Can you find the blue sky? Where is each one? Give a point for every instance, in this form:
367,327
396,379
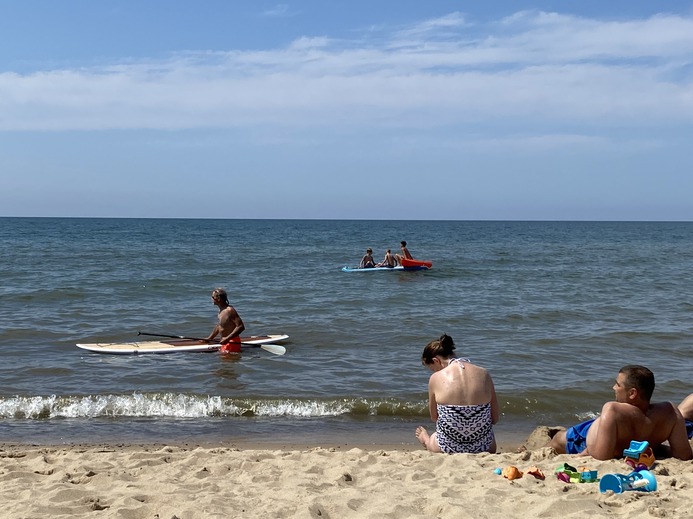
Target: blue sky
466,110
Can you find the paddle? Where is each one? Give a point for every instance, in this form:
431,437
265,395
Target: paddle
272,348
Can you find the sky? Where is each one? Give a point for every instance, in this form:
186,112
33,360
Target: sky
386,110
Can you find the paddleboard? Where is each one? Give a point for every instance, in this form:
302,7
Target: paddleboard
173,345
371,269
411,265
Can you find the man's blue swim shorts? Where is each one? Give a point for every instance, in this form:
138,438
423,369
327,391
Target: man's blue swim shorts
576,437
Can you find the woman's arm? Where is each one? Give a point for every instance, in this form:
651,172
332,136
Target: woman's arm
432,404
495,408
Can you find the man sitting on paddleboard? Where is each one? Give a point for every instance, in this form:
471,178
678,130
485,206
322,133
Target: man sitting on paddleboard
367,261
230,324
388,261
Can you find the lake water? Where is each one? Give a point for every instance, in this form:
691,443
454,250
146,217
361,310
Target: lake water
552,309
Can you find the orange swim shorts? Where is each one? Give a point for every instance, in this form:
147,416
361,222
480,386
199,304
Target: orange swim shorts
233,346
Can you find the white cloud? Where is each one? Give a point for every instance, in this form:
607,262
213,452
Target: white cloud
543,68
305,43
278,11
434,28
563,38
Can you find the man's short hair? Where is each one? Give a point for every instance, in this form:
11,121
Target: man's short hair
641,378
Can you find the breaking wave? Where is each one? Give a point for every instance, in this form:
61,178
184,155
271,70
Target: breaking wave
170,405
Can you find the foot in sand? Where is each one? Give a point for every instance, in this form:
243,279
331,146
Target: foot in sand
422,435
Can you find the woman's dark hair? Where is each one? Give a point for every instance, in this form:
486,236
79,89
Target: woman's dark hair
443,347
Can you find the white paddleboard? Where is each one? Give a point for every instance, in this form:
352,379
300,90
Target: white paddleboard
173,345
371,269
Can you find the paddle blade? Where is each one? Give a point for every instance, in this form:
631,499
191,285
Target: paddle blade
274,348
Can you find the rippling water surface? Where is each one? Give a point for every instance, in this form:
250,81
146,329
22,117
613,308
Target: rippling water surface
552,309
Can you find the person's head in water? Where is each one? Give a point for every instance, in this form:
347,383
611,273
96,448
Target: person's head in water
443,348
219,294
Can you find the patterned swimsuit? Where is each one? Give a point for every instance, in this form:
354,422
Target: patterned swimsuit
464,428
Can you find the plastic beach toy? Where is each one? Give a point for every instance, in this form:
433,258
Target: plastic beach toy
587,475
639,455
536,472
511,473
617,483
569,474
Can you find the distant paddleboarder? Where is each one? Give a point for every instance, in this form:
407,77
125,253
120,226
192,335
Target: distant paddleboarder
230,324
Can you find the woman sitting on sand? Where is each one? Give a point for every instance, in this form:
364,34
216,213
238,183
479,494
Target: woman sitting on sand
462,402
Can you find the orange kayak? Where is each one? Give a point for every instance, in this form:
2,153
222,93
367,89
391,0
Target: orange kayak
412,263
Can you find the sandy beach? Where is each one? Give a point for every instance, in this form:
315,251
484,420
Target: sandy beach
200,481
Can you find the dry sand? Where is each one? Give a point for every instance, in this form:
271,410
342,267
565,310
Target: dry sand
189,481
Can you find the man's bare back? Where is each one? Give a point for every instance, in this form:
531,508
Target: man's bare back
630,417
619,423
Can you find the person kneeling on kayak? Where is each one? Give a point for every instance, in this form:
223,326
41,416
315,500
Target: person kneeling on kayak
230,325
405,252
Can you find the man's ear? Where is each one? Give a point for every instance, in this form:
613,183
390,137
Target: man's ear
633,393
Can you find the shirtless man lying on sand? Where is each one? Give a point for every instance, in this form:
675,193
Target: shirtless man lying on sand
630,417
